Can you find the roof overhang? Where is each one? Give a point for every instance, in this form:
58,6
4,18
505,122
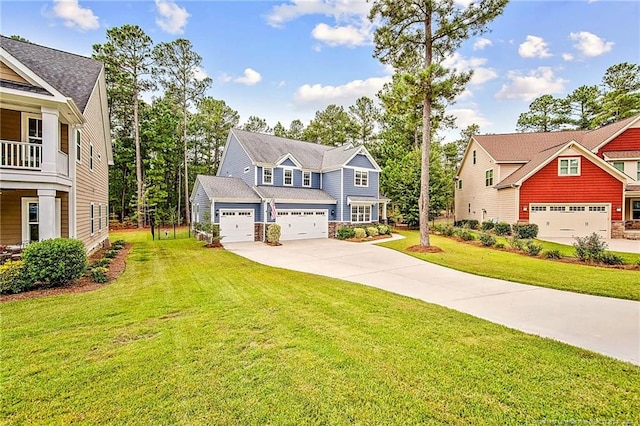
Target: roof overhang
366,200
298,201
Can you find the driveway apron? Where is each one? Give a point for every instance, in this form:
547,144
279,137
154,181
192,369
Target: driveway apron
600,324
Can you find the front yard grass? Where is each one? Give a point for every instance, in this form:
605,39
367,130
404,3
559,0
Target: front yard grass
199,336
623,284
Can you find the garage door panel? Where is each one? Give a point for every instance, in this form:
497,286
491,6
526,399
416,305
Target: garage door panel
570,220
302,224
236,225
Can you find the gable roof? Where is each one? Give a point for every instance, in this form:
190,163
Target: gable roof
218,187
72,75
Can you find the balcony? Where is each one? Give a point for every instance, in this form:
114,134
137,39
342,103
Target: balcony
20,155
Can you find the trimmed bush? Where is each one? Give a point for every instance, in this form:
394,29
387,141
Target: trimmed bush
99,275
552,254
609,258
487,240
119,243
448,231
488,225
436,227
500,245
590,248
525,230
57,261
359,233
467,223
273,233
516,243
532,248
105,261
384,230
466,235
345,233
111,254
13,277
372,231
502,228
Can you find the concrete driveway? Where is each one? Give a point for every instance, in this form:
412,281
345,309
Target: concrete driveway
617,244
605,325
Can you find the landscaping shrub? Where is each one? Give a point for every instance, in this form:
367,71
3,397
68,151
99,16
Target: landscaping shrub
466,235
499,245
437,228
609,258
345,233
487,240
273,233
502,228
516,243
525,230
117,245
105,261
488,225
467,223
384,230
359,233
372,231
99,275
533,248
448,231
590,248
552,254
13,277
57,261
111,254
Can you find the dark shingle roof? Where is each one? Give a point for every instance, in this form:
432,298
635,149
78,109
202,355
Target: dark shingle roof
23,86
218,187
72,75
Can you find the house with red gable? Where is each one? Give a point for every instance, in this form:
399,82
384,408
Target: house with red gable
569,183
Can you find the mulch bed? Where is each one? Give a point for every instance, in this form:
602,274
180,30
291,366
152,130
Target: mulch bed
81,285
362,240
424,249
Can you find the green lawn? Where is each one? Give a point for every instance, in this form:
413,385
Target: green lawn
198,336
524,269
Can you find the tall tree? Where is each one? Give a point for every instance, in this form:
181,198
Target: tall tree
127,56
296,129
419,35
621,93
256,124
546,114
331,126
364,114
212,123
177,64
584,104
279,130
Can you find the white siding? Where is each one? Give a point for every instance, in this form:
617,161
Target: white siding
474,193
507,205
504,170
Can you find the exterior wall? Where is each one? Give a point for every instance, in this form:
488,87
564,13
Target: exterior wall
92,186
64,138
547,187
64,214
475,196
201,205
361,161
236,161
10,122
257,209
631,169
297,178
331,184
11,215
507,205
504,170
629,140
617,229
288,163
7,73
303,206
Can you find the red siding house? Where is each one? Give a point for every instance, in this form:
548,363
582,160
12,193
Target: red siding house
569,183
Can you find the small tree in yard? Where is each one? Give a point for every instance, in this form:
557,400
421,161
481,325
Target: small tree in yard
590,248
273,234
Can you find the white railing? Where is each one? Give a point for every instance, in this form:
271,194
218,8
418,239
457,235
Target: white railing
63,164
20,155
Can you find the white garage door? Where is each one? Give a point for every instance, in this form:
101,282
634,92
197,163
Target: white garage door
236,225
571,220
303,224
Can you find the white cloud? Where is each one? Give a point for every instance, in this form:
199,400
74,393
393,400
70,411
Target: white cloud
480,74
567,57
199,74
468,116
318,94
337,9
481,43
466,94
224,78
534,47
249,78
171,17
590,44
347,35
74,15
528,87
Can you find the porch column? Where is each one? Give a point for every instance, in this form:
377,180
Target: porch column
50,139
47,213
384,212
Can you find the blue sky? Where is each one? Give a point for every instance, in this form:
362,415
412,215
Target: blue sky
283,60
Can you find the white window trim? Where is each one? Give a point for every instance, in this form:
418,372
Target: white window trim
613,163
364,206
92,227
263,181
310,179
100,217
486,177
25,216
355,172
78,153
284,171
91,156
25,126
568,159
459,185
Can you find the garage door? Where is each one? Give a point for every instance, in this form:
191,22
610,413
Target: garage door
302,224
236,225
571,220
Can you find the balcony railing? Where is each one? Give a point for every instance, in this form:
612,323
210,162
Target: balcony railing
20,155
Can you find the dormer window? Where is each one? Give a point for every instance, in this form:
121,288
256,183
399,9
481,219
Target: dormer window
569,166
267,176
288,177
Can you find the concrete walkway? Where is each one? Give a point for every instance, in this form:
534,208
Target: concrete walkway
605,325
613,244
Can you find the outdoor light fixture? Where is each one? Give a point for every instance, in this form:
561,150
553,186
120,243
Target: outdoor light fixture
333,212
618,208
217,211
524,208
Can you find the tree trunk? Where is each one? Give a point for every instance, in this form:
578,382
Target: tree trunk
426,139
187,212
136,136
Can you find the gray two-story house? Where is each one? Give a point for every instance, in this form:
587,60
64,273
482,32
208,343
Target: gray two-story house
310,190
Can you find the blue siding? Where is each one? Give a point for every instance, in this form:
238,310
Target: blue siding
288,163
201,204
235,161
362,161
291,206
331,185
278,177
370,191
315,180
257,208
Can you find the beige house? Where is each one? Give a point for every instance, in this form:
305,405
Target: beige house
55,147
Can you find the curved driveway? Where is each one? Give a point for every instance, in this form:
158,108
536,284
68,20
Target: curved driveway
605,325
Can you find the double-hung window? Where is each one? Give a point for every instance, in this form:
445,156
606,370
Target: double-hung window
306,179
360,213
78,146
488,178
91,157
619,165
361,178
267,176
569,167
93,226
287,176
